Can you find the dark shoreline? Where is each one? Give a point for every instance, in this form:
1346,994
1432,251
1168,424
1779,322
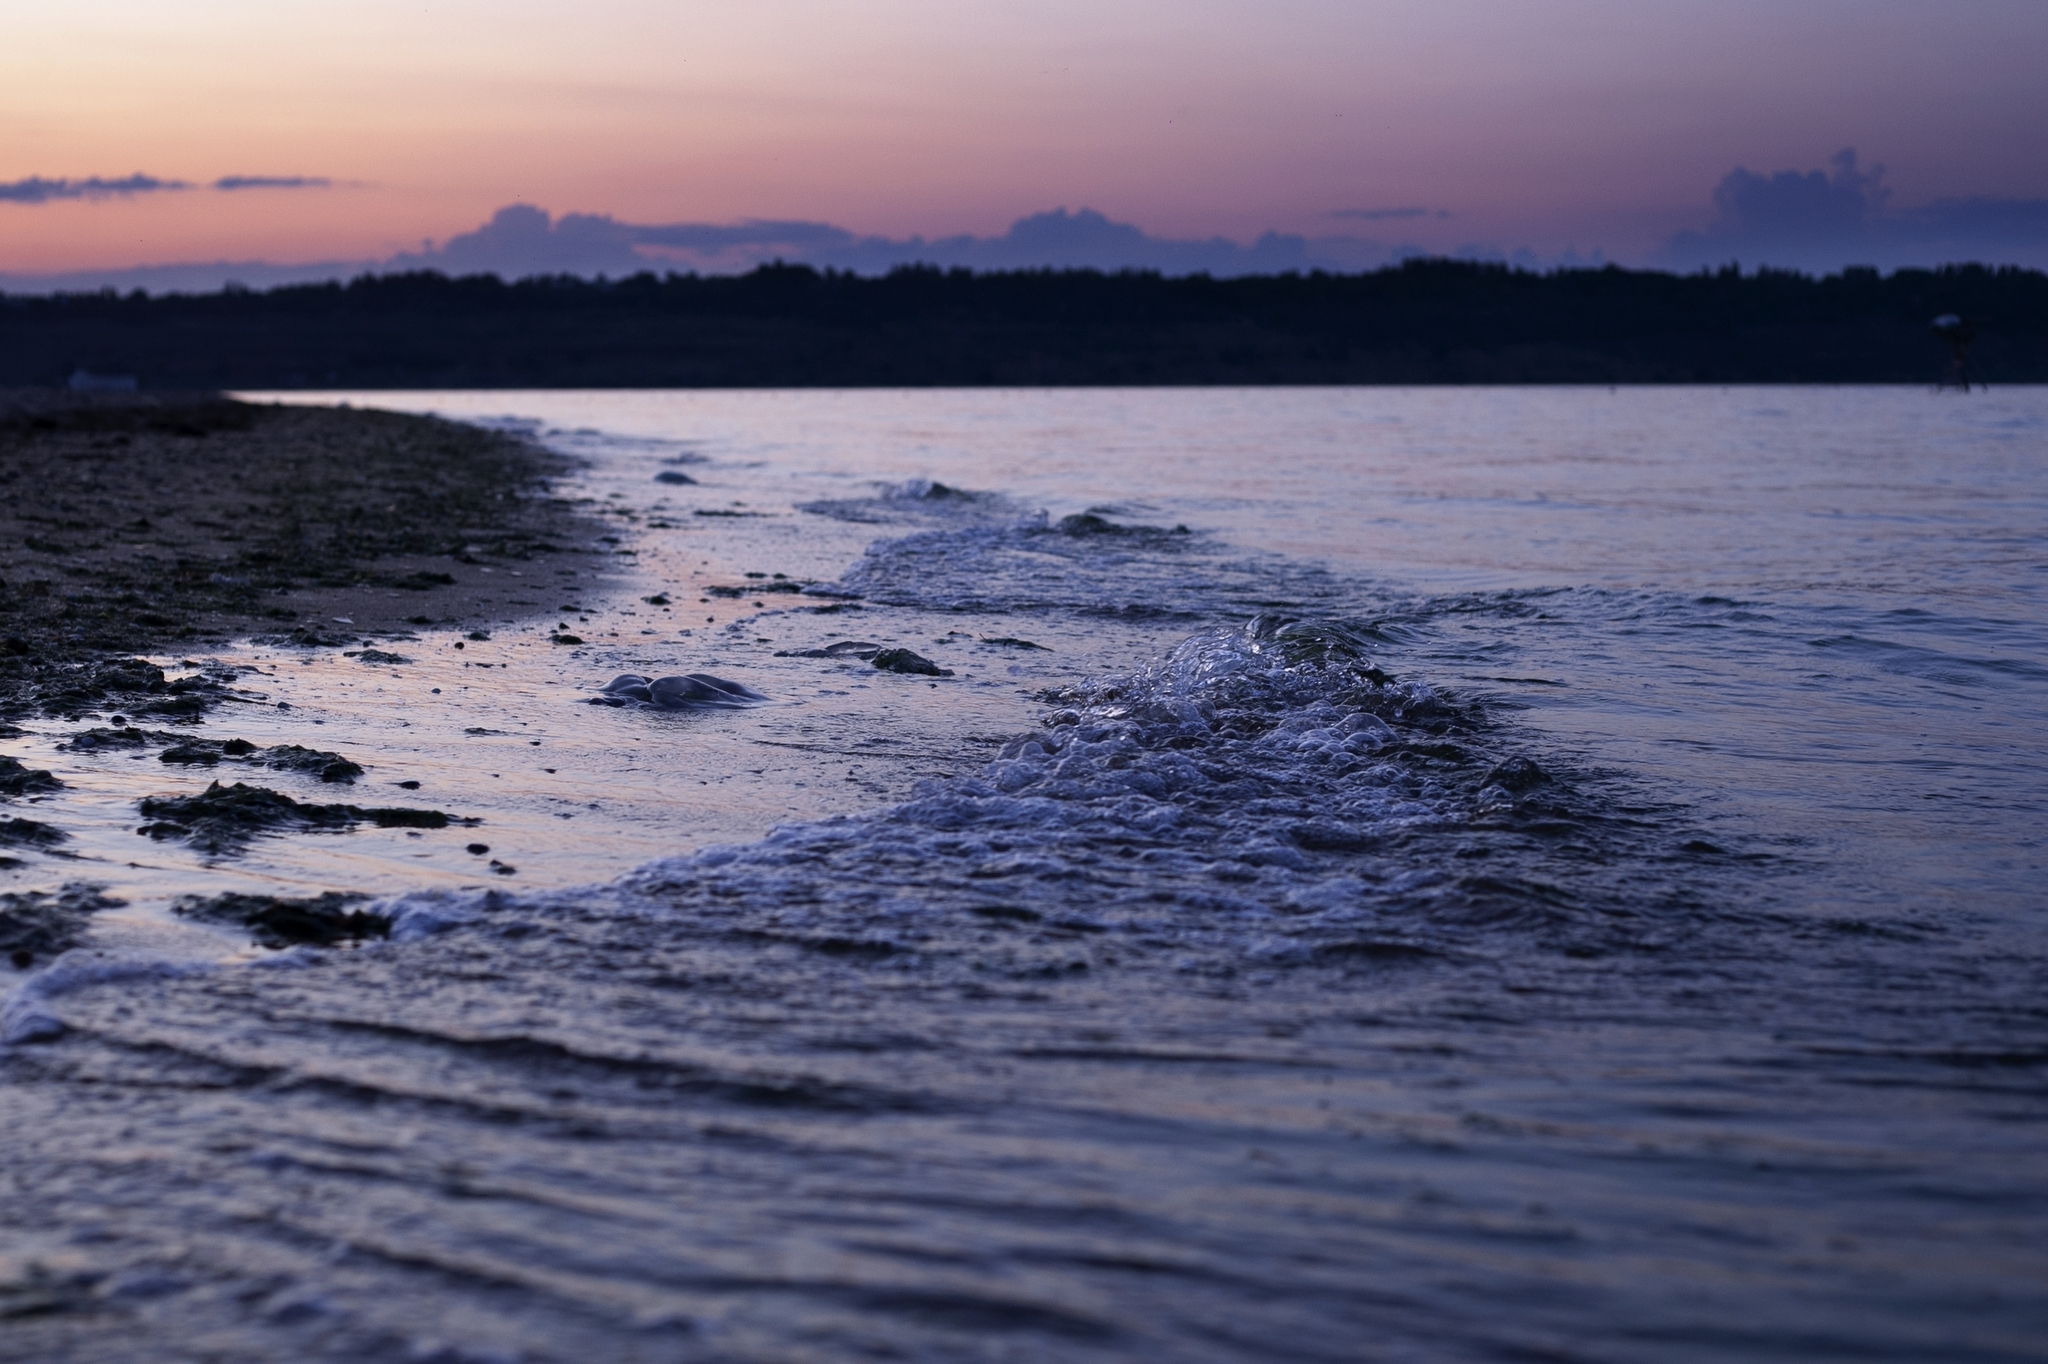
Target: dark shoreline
1425,322
152,523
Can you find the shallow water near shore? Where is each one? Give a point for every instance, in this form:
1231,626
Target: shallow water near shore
1392,874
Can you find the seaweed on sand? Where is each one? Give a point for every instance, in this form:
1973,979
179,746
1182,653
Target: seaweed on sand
276,921
221,819
130,685
329,767
35,924
28,833
16,780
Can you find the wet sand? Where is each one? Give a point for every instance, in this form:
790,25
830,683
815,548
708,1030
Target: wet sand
150,523
196,708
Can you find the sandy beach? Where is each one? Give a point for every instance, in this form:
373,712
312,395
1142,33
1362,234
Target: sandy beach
136,523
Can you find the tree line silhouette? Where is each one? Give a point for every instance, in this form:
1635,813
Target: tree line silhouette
1420,322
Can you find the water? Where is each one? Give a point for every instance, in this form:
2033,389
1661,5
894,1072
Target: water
1604,923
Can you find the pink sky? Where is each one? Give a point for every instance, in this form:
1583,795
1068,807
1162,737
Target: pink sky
1583,123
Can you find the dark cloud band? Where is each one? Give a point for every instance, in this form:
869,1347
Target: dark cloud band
272,182
36,189
1381,215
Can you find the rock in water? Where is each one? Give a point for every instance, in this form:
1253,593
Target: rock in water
1516,775
690,691
626,687
904,661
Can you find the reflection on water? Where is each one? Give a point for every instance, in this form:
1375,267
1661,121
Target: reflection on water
1448,875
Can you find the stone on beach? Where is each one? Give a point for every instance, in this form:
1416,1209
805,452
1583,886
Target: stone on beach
690,691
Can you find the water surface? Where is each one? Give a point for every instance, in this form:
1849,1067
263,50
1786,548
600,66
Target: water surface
1467,874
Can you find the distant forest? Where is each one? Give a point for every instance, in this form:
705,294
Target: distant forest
1423,322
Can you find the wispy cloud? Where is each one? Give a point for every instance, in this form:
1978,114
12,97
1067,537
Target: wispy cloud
37,189
1380,215
272,182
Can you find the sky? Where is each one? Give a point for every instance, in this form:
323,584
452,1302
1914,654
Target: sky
1199,134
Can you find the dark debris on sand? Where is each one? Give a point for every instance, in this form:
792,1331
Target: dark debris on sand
278,922
37,924
16,780
888,660
329,767
102,738
132,686
27,833
221,819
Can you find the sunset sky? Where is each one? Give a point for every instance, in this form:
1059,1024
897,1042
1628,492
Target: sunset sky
1582,124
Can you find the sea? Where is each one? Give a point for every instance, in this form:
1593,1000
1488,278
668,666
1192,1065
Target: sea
1351,874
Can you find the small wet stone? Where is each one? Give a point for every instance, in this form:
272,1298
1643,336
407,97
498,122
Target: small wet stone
377,656
1010,642
277,922
674,476
904,661
691,691
1516,774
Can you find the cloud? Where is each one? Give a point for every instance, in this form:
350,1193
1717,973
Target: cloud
1375,215
754,232
1811,220
232,182
36,190
522,240
1821,221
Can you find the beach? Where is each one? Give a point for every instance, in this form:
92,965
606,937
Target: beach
141,522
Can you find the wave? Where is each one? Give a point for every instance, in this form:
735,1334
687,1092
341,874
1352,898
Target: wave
1265,793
